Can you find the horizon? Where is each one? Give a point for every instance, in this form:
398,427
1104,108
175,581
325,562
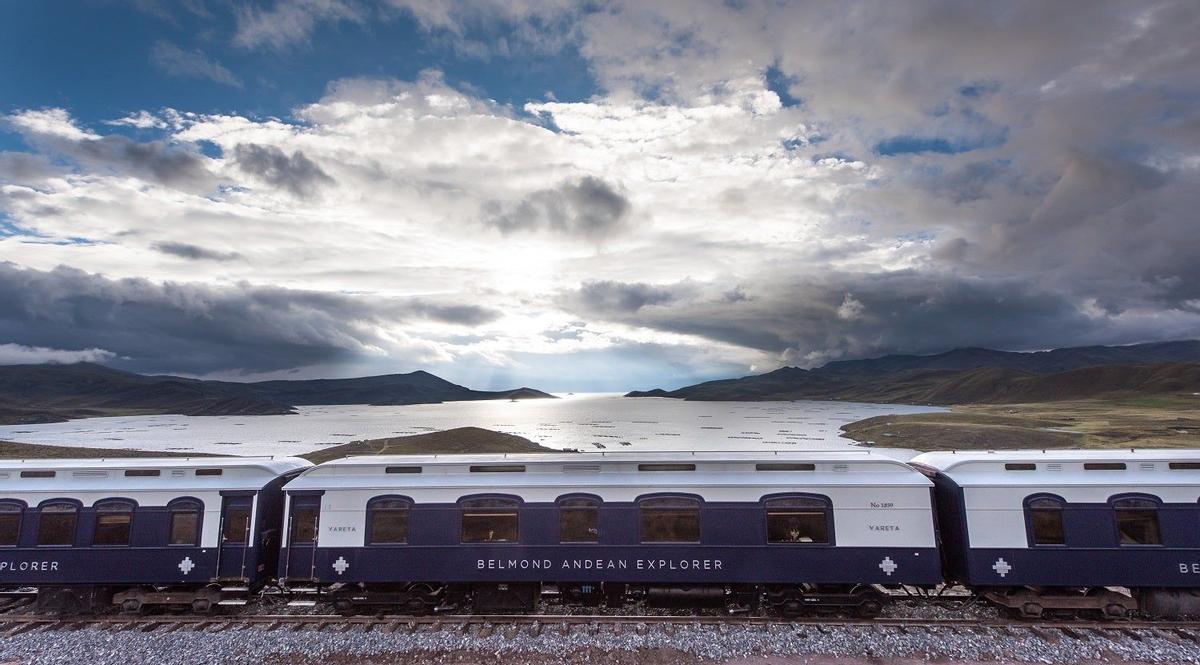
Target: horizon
590,197
569,390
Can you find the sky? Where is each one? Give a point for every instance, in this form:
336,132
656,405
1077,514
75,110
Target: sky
592,196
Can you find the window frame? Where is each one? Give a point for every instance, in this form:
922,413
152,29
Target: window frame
1136,496
226,504
462,507
99,507
826,508
172,510
695,499
596,504
21,507
1027,509
74,503
369,528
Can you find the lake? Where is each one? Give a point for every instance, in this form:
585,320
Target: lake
588,422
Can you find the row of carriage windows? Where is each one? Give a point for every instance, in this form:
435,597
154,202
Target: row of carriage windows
662,520
1134,518
57,522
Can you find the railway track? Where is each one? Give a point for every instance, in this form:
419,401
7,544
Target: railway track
1178,632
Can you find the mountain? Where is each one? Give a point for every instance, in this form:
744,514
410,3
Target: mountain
53,393
967,376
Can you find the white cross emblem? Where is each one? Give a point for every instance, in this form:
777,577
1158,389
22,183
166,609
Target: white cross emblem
186,565
1001,567
888,566
340,565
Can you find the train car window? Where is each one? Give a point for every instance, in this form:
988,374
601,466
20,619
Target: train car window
798,520
237,523
56,523
387,521
490,520
184,526
1137,522
114,520
579,520
670,520
1046,521
304,523
10,523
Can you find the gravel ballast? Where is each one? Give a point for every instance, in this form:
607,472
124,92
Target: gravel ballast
502,644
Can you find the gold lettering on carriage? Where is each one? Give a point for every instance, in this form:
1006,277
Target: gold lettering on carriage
599,564
22,566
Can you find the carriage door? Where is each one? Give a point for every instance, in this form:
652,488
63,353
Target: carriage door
235,536
302,536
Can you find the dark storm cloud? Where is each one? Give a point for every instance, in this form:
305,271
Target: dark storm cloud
620,298
296,173
194,252
808,321
588,208
23,167
195,328
157,161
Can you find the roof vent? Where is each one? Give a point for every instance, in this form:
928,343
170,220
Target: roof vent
585,468
666,467
497,468
404,469
209,472
37,474
1183,466
1147,466
784,466
1020,466
1054,466
1103,466
89,474
142,473
841,468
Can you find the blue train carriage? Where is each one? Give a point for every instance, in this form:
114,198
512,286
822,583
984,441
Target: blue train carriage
492,533
1096,532
141,531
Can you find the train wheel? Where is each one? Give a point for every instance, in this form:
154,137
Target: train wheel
869,609
132,606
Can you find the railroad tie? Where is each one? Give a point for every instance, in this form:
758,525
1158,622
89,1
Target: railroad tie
1162,634
273,625
1072,633
346,627
151,625
1045,635
1131,634
22,628
1191,637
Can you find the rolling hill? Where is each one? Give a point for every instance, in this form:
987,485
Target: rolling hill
53,393
966,376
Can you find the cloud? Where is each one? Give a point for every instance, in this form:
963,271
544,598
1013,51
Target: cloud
288,22
190,64
54,131
16,354
587,208
616,297
295,173
200,329
194,252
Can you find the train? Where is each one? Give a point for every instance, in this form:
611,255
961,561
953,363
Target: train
1101,532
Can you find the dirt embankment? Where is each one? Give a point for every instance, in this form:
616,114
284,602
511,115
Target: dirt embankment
1168,421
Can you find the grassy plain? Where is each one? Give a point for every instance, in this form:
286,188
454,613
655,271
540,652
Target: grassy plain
1150,421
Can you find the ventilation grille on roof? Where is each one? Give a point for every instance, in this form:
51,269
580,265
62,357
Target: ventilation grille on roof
784,466
1147,466
1020,466
1103,466
498,468
37,474
142,473
89,474
403,469
841,468
209,472
666,467
1184,466
586,468
1054,466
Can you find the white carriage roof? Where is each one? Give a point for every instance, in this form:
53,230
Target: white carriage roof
651,470
138,473
1152,466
